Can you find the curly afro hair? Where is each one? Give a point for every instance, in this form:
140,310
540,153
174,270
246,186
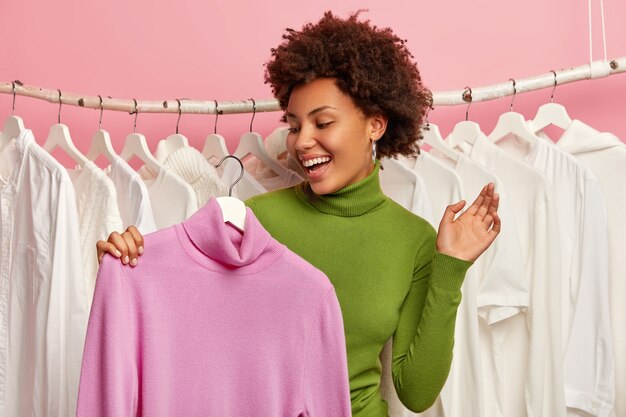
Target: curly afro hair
370,64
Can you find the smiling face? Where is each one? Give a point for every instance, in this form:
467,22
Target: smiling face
330,136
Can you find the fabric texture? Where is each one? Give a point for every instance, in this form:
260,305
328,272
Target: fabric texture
497,292
532,352
189,164
389,279
213,322
605,155
172,199
43,296
133,198
98,215
586,343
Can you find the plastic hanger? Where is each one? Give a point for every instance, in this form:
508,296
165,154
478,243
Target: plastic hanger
13,125
433,138
174,141
101,142
233,209
135,145
551,114
251,143
214,144
59,136
465,131
214,147
512,123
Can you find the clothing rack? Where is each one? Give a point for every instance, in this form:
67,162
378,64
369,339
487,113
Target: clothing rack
595,69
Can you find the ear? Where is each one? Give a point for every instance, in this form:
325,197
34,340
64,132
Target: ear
377,125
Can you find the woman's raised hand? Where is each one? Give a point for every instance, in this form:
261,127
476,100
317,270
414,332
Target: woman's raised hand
127,246
470,234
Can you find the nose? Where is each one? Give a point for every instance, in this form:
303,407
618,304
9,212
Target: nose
304,139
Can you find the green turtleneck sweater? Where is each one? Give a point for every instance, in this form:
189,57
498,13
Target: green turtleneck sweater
389,280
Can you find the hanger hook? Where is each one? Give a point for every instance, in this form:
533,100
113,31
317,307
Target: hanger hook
13,108
253,113
60,104
553,88
136,111
217,113
179,113
101,111
514,93
230,190
430,107
467,96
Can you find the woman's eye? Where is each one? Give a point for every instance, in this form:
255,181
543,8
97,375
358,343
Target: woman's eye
323,125
293,130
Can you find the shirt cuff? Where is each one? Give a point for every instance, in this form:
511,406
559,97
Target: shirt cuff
448,272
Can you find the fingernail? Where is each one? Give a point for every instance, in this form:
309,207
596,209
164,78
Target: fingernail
125,259
118,253
133,262
140,250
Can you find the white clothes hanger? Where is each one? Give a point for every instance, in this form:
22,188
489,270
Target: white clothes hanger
12,127
433,138
466,130
101,145
214,144
512,123
551,114
101,142
214,147
175,141
233,209
251,143
135,145
59,136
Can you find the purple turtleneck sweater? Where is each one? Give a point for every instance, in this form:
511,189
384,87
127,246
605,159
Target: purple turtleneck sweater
213,322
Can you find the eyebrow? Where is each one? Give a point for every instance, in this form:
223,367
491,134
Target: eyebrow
312,112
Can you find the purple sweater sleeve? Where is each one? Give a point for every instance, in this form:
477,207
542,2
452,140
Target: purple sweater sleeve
108,382
325,388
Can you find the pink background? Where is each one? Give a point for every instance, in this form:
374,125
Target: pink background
216,50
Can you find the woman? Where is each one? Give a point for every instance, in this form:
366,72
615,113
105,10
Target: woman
351,94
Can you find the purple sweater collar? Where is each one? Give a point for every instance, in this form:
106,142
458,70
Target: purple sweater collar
222,242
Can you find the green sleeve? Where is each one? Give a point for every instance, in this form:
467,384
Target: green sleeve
424,338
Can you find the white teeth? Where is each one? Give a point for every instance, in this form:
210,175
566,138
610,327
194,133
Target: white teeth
310,162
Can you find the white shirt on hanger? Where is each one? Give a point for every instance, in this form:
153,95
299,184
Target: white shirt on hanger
172,199
532,351
43,296
133,199
585,319
605,155
98,215
501,291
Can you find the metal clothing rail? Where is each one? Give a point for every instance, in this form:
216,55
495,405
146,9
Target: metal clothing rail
595,69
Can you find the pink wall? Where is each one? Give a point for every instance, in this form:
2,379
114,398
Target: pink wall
207,50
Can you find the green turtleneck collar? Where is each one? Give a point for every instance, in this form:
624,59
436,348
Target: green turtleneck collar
354,200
